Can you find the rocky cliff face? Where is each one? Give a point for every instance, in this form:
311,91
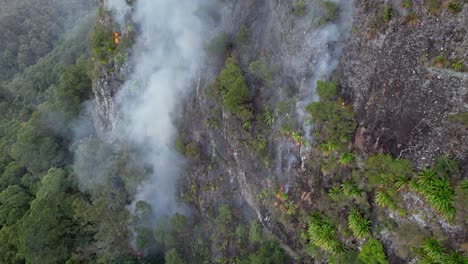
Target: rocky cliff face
401,94
402,97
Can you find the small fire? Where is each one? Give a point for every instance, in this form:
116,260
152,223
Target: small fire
116,38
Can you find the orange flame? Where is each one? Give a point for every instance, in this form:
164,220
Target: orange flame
116,38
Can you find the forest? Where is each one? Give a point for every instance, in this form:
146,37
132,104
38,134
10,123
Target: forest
67,195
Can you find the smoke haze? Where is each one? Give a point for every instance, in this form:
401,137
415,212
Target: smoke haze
327,44
167,56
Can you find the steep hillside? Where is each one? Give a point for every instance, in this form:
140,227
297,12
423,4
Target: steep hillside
323,116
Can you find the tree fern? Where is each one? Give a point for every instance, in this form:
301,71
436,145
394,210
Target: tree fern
437,191
323,234
383,199
358,224
268,117
347,158
334,193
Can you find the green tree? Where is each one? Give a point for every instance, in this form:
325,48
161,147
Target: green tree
323,234
372,252
234,89
14,203
35,149
358,224
174,257
48,231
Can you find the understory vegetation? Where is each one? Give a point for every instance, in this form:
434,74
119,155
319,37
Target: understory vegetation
66,196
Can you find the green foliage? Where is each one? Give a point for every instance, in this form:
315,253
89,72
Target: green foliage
47,231
458,66
255,232
331,10
269,253
437,191
384,199
323,234
455,6
461,118
440,60
372,252
243,35
434,6
192,151
407,4
347,158
247,125
31,29
327,90
11,175
174,257
299,8
14,203
35,149
347,257
268,117
387,14
261,71
349,188
218,44
234,90
433,252
334,193
180,146
102,42
383,170
358,224
336,119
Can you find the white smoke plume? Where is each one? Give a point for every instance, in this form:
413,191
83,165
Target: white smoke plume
167,56
327,42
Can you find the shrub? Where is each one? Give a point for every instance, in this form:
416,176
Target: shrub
372,252
454,6
406,4
268,117
359,225
387,13
334,193
440,61
234,89
299,8
260,70
347,158
458,66
433,252
243,35
331,9
174,257
434,6
461,118
384,199
102,42
323,234
247,125
437,191
349,188
218,44
336,118
383,170
192,151
326,90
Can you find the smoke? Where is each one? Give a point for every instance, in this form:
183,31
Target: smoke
166,59
119,8
327,42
